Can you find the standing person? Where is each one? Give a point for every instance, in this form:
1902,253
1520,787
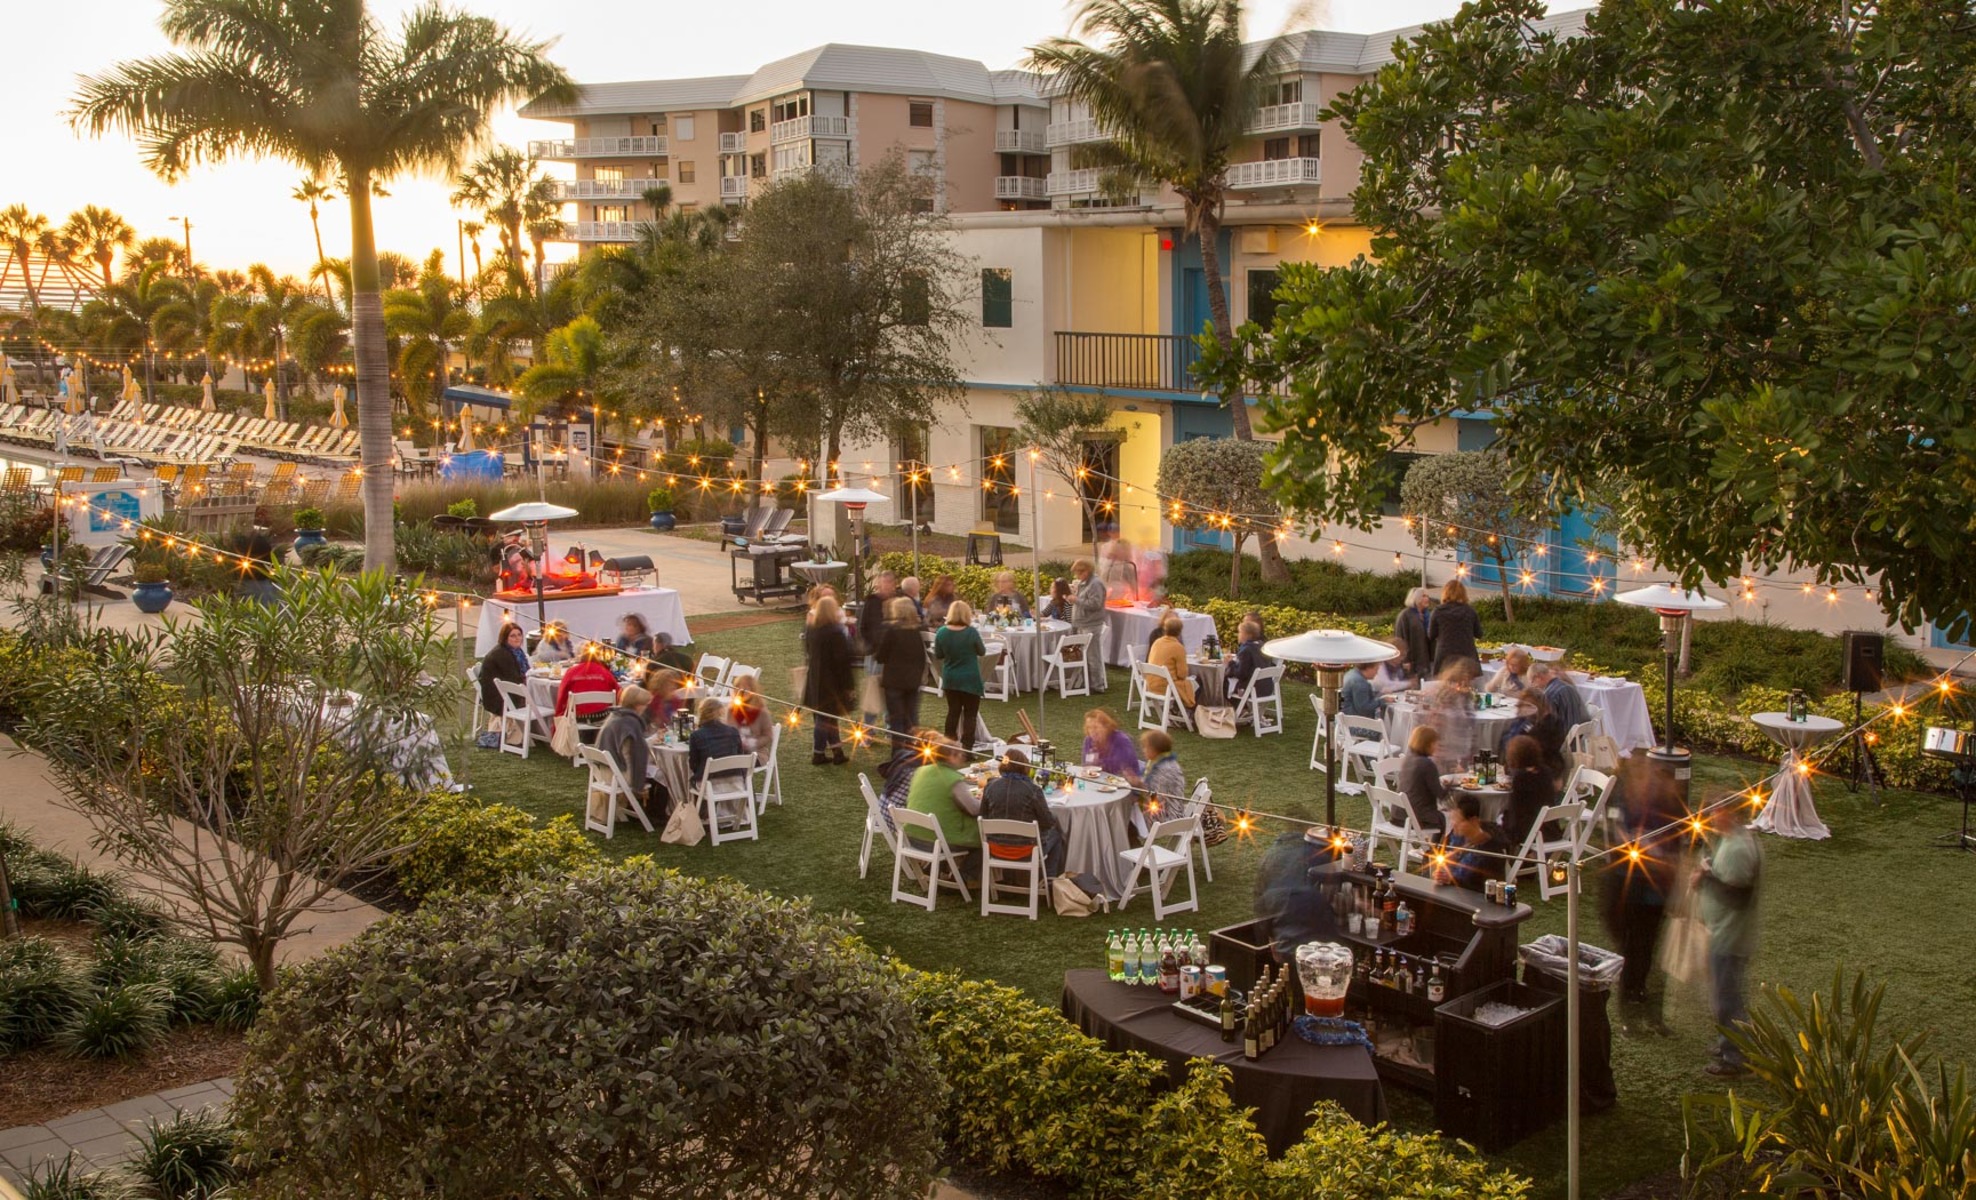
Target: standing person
1088,616
1730,877
622,738
1249,659
507,662
909,588
1013,796
1448,710
829,691
1006,595
748,712
940,791
1108,748
958,647
873,614
1420,779
939,599
900,655
1456,629
1637,887
1413,632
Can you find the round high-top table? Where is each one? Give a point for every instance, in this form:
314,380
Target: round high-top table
820,572
1790,812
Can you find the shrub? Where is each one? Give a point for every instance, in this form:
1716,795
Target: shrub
615,1033
1340,1157
659,499
466,508
309,518
235,1001
459,843
189,1157
40,991
443,554
186,973
117,1022
66,1180
150,572
972,584
47,885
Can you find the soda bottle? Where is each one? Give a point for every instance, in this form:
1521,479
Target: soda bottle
1149,958
1131,961
1115,956
1200,951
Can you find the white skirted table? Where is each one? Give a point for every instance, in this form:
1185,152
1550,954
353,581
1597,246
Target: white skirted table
1627,719
1134,627
1093,817
1027,643
1790,812
820,572
595,618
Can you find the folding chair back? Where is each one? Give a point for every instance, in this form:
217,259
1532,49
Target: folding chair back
1157,865
1158,709
876,826
521,721
997,862
1392,817
725,792
921,844
1535,853
1061,663
607,787
1265,711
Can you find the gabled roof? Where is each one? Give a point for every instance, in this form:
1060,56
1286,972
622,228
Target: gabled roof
642,96
836,67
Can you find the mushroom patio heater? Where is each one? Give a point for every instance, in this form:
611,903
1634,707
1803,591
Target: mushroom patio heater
1674,607
1332,652
535,516
854,500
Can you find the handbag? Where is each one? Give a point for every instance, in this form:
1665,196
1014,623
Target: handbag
1078,895
1684,943
871,697
562,735
684,827
1214,721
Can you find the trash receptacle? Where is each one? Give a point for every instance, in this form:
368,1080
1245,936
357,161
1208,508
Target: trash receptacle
1546,968
1497,1080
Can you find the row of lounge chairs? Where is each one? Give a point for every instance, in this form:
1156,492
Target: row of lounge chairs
112,440
257,435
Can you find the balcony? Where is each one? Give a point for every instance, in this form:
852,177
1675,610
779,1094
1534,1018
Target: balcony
1275,172
1020,141
1154,362
803,128
836,172
1070,133
600,231
1080,182
564,149
734,187
733,143
1282,118
605,189
1019,187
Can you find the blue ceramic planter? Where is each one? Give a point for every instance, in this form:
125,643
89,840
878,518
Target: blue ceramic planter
308,538
664,522
151,597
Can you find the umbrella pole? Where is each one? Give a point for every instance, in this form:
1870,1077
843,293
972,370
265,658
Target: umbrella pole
1036,566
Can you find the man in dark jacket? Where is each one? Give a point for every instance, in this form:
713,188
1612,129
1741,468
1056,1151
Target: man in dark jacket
1414,629
1013,796
871,613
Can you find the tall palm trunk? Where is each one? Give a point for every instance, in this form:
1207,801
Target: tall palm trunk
373,380
1208,227
322,260
103,260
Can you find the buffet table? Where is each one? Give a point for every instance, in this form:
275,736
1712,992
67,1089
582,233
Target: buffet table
588,618
1281,1086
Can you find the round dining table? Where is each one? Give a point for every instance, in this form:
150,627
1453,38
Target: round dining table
1210,677
1027,642
820,572
1093,815
1486,726
1790,811
1492,800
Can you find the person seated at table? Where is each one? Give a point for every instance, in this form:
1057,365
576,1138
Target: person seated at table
1248,659
506,662
1008,595
1013,796
590,674
1393,677
940,791
1561,694
1357,697
1513,676
1420,779
1530,789
1474,847
1165,794
633,637
670,695
554,645
937,600
667,654
1536,721
1170,652
712,738
1061,606
1158,630
622,738
748,712
897,775
1108,748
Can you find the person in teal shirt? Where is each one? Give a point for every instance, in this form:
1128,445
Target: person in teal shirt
958,648
1729,883
941,792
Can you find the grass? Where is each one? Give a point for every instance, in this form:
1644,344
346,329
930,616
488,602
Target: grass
1877,897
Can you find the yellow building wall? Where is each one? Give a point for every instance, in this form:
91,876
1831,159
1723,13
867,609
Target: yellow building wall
1138,465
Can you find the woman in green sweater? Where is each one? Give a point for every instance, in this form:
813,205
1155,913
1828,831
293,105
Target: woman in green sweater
958,647
939,790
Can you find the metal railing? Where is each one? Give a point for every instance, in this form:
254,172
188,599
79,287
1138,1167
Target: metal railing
601,231
733,143
1161,362
1275,172
1018,187
600,147
1278,117
734,187
1069,133
1072,183
809,127
1020,141
605,189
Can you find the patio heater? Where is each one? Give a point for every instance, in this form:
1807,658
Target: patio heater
1332,652
535,516
854,500
1674,607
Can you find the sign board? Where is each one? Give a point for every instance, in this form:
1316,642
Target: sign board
110,508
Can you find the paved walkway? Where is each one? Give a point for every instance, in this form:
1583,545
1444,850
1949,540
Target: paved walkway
102,1137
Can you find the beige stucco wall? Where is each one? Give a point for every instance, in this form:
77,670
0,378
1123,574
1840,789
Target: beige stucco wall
969,149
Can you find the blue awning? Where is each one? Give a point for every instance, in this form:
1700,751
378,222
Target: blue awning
479,397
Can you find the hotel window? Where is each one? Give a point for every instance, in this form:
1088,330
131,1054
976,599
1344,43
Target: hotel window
758,166
658,125
757,120
685,172
612,212
1275,148
997,298
1287,91
915,299
1262,297
1307,145
682,128
919,114
1000,505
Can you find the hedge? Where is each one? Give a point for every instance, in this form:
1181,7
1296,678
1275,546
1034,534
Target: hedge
457,843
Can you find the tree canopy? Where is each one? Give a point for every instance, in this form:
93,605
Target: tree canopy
1219,483
1473,502
1709,265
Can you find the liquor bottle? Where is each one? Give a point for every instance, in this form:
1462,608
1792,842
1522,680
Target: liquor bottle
1389,905
1437,987
1251,1037
1267,1021
1403,977
1115,957
1228,1015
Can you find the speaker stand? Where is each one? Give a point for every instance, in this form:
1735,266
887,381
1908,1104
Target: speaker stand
1864,769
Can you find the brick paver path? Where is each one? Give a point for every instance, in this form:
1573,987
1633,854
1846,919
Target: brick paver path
102,1137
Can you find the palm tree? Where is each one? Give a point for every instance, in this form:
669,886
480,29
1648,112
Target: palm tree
1173,87
541,219
123,318
99,234
327,87
279,304
22,231
473,230
574,358
501,185
312,191
169,251
427,320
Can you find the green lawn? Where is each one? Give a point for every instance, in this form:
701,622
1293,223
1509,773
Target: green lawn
1877,897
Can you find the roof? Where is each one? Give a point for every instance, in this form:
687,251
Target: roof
642,96
836,67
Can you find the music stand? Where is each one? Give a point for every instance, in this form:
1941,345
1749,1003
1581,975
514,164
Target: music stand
1957,746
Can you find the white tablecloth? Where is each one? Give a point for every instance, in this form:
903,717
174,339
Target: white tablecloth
408,745
1026,648
1628,720
1491,800
592,617
1093,821
1471,730
1790,812
1133,627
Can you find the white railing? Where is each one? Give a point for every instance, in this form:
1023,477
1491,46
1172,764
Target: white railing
600,147
1020,141
809,127
733,143
734,187
1073,183
605,189
603,231
1277,117
1275,172
1018,187
834,171
1069,133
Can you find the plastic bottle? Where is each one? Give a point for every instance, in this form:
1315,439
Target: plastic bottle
1130,963
1115,956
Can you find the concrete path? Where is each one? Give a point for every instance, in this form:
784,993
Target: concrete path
101,1137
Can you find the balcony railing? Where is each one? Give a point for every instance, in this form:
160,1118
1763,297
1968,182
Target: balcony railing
605,189
600,147
734,187
1069,133
809,127
836,172
1275,172
600,231
1072,183
733,143
1280,117
1018,187
1020,141
1158,362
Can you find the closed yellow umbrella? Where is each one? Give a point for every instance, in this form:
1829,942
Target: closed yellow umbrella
132,394
75,381
267,389
337,418
206,394
9,389
466,429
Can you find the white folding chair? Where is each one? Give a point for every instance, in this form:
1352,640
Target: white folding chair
521,718
875,826
1160,865
725,789
1593,790
1265,712
997,675
768,775
1578,744
711,673
1361,746
736,670
1536,851
607,786
1029,867
1166,703
1135,657
1392,817
930,682
1317,739
933,862
1197,804
1056,665
587,725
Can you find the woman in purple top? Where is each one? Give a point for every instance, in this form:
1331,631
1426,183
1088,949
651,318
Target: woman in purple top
1108,747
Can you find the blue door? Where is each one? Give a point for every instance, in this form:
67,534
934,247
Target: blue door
1567,571
1194,314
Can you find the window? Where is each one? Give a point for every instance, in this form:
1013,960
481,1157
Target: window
1307,145
1262,297
915,300
997,298
1275,148
922,162
1001,503
758,166
685,171
658,125
1098,490
909,456
757,120
1397,461
682,127
613,212
1285,91
608,174
919,114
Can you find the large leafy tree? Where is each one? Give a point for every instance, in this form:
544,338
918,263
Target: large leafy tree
1474,503
1059,426
1216,483
21,231
1709,265
504,186
573,362
324,85
1175,90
